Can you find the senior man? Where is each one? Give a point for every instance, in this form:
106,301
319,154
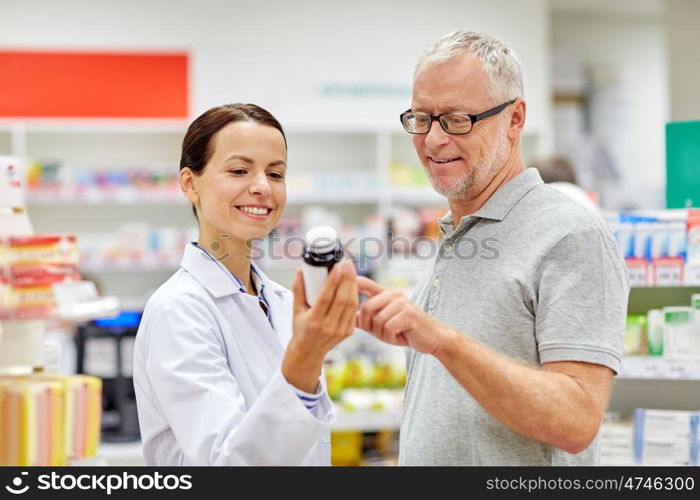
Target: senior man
516,334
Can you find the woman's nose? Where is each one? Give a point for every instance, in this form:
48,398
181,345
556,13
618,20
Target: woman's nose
260,185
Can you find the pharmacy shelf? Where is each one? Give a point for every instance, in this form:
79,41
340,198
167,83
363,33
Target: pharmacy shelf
106,198
656,381
109,198
334,198
367,420
660,368
644,298
126,268
102,307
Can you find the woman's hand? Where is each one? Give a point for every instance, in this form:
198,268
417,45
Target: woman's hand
317,329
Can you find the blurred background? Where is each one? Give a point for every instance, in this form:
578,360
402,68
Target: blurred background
95,99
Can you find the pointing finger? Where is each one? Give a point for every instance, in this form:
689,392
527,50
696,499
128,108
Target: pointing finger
368,287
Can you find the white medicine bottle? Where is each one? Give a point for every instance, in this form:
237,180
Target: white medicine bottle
322,252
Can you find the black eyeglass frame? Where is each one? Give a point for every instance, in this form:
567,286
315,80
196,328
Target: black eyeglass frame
472,118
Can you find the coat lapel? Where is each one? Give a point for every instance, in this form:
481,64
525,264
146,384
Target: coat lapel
281,307
220,285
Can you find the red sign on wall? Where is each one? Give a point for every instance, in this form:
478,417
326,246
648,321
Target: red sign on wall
93,85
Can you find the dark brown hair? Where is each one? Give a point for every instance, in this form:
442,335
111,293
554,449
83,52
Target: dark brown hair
196,146
556,169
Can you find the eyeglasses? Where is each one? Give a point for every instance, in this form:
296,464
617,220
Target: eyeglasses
455,122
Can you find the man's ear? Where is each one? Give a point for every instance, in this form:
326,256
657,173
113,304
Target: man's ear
517,120
187,185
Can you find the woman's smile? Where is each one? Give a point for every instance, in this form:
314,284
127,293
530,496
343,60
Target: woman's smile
259,212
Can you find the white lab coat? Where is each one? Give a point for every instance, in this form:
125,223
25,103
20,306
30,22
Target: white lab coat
207,375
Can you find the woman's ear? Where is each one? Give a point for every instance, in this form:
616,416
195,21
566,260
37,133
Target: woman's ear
187,185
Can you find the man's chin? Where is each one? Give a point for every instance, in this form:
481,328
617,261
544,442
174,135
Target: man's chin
449,187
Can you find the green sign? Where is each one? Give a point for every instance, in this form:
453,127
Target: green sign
683,164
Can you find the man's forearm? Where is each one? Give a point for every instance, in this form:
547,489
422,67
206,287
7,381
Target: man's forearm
543,405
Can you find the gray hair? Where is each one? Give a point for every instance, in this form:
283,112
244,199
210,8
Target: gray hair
498,60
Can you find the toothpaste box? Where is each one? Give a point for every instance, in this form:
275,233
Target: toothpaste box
617,444
665,437
692,270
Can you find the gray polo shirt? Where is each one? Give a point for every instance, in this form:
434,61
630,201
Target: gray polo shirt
535,276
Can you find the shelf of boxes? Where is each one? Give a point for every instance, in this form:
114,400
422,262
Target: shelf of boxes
654,437
105,198
661,323
126,268
666,437
661,247
659,368
662,335
45,419
642,299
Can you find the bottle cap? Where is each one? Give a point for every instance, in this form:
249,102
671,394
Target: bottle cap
322,239
695,301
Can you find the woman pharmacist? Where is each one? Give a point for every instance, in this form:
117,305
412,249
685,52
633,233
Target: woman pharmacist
227,363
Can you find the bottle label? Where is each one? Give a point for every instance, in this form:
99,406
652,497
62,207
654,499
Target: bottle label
314,277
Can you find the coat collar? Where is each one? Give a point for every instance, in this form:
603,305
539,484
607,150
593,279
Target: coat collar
215,278
270,285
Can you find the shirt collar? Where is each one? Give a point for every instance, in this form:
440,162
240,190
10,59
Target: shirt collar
265,283
501,202
257,281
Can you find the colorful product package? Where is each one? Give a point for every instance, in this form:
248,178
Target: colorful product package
692,271
31,423
29,267
84,411
49,420
635,339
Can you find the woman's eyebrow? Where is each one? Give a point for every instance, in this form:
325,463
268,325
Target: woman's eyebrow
251,161
240,157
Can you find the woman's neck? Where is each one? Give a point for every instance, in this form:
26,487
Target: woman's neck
233,254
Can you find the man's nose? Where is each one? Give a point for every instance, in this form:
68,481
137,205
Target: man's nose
436,136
